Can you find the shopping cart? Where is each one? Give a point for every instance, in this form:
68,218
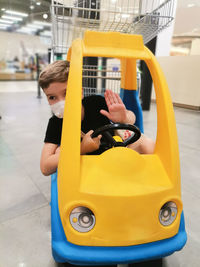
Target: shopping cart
71,18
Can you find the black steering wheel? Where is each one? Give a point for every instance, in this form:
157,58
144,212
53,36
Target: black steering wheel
108,138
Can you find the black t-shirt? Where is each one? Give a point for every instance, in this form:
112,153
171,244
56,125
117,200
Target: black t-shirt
93,119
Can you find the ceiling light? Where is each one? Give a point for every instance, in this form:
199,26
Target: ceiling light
3,9
12,18
16,13
37,22
6,21
32,7
45,16
38,3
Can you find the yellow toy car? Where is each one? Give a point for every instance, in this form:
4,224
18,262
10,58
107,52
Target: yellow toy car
118,207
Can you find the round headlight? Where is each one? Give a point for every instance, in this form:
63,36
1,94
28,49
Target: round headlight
82,219
168,213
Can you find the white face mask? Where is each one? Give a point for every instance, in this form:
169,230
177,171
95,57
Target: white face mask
58,109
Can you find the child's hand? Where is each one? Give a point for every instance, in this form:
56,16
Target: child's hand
117,111
90,144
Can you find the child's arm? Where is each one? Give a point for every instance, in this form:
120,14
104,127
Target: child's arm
144,145
49,158
90,144
117,111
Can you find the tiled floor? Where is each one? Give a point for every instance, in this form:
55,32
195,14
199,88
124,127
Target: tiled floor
25,233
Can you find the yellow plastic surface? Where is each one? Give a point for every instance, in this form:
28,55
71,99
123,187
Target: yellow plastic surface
117,138
125,190
128,74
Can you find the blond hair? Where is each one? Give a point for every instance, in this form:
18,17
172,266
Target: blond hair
57,71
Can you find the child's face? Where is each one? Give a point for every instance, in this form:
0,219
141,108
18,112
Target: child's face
55,92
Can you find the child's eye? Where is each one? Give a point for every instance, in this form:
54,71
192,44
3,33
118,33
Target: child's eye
52,97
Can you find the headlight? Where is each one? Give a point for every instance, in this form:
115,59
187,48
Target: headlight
82,219
168,213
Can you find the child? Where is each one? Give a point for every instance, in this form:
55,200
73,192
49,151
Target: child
97,111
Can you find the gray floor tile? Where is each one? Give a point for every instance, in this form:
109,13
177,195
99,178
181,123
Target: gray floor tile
18,193
25,241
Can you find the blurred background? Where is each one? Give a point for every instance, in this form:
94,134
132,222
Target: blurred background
25,47
25,34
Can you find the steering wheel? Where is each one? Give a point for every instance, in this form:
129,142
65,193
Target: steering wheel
110,141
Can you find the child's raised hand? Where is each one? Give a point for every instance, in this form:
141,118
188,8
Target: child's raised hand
116,109
90,144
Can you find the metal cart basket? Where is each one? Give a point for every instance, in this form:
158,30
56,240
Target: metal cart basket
70,19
